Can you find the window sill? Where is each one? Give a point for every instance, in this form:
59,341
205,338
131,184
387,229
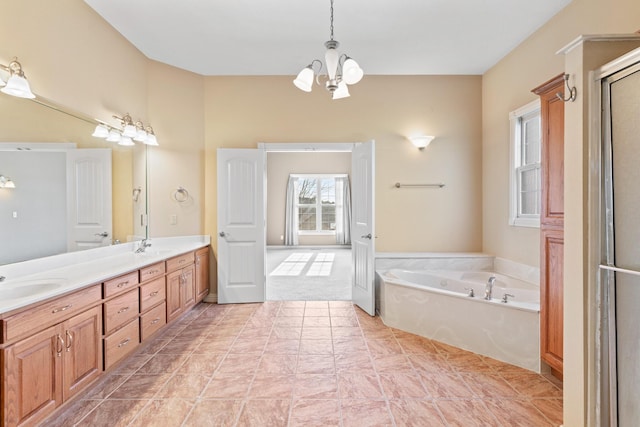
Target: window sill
525,222
316,233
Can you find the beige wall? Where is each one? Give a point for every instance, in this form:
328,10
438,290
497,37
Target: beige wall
242,111
505,87
279,166
70,55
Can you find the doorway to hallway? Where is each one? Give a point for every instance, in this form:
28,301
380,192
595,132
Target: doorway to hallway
309,273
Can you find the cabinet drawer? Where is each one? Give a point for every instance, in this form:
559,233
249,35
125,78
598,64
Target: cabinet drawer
179,261
155,319
152,293
120,310
49,313
120,284
151,272
121,343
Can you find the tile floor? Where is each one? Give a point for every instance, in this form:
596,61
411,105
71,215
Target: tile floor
309,364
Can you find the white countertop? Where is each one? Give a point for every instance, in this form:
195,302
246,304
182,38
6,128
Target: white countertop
57,275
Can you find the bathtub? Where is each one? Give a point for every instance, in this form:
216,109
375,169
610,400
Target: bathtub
436,304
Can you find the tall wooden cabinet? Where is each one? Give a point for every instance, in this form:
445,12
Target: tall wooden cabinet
552,224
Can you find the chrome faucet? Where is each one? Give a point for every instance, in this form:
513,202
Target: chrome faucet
488,290
144,244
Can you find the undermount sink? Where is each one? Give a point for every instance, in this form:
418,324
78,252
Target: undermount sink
25,290
152,252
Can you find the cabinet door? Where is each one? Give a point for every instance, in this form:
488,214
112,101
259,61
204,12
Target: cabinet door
32,377
552,299
83,351
188,287
174,295
202,274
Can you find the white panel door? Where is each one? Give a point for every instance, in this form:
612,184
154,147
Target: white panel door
241,226
362,227
89,213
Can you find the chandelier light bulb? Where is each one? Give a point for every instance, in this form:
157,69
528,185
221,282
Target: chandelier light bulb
304,81
351,72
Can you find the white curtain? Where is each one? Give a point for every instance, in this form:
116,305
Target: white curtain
343,211
291,214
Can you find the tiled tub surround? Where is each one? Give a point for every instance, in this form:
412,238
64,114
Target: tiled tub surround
61,274
309,364
507,332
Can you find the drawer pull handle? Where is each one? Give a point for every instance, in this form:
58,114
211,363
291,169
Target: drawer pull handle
59,345
154,321
58,310
154,271
153,294
125,342
123,309
121,284
69,340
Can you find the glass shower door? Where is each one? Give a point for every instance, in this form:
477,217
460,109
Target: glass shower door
621,270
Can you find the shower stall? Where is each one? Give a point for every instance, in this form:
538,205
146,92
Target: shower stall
620,244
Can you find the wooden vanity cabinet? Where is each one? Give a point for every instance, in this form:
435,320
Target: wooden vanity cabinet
181,291
202,273
49,367
52,350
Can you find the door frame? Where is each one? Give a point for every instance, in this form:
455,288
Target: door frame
300,147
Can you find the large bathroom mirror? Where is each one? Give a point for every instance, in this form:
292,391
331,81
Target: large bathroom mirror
27,129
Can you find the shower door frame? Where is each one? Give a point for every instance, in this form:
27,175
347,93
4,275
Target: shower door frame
601,246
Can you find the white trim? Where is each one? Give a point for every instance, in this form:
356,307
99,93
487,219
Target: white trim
37,146
514,154
318,147
596,38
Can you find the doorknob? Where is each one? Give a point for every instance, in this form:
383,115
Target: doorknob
222,234
103,234
367,236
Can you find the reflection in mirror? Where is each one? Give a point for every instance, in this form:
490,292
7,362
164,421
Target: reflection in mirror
23,122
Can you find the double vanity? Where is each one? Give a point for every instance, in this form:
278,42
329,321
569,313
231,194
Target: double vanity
65,320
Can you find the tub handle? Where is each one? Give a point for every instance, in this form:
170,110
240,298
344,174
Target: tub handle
505,298
471,294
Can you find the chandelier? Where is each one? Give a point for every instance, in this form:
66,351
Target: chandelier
341,70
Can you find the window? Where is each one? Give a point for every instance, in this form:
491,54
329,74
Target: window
316,204
525,166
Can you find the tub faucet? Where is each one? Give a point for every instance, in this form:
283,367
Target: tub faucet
488,290
144,244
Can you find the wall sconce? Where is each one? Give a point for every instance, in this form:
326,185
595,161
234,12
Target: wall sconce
6,182
421,141
127,134
16,84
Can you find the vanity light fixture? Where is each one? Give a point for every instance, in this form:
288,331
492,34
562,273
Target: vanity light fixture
6,182
151,137
126,141
127,133
16,84
101,131
421,141
341,70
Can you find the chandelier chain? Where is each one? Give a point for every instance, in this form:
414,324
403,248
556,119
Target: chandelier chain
331,27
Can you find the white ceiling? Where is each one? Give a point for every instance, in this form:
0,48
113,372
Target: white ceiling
280,37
